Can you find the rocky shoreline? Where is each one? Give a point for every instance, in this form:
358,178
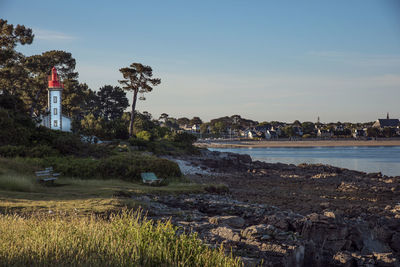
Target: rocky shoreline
287,215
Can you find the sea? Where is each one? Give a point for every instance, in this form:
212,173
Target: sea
385,159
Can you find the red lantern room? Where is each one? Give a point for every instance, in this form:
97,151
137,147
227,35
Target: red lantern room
53,79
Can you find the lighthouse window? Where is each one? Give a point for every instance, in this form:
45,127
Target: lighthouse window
55,123
55,111
54,99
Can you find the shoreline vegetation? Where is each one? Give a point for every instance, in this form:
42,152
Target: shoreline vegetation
227,143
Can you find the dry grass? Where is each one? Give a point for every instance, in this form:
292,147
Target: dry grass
123,240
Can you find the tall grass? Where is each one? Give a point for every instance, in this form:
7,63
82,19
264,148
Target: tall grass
17,182
124,240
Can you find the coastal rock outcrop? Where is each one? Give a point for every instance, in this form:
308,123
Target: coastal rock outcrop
287,215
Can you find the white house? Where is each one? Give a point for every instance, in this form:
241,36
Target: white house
55,119
250,134
324,133
271,135
196,128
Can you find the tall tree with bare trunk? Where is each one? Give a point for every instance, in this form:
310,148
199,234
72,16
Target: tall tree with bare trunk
138,79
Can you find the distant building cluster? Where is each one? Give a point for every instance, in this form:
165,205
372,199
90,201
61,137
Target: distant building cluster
272,131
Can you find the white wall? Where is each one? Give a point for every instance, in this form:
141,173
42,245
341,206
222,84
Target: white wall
52,105
66,124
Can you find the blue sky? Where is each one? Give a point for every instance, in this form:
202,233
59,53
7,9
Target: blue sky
264,60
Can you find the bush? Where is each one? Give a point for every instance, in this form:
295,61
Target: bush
185,138
68,144
133,141
144,135
17,183
39,151
124,166
42,151
13,151
129,167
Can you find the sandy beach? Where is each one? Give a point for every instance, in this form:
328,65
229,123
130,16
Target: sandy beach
300,143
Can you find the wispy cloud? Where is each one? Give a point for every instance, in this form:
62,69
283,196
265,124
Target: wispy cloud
47,35
359,59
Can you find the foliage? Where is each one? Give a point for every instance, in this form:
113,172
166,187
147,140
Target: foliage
185,138
219,127
137,78
288,131
38,151
92,126
195,120
204,128
373,132
112,102
183,121
17,182
389,132
123,240
144,135
308,127
124,166
13,75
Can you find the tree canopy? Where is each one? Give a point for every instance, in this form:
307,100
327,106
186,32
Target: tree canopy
137,78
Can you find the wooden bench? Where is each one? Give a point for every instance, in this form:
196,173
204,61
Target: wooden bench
47,176
150,178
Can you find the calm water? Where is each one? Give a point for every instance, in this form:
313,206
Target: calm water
367,159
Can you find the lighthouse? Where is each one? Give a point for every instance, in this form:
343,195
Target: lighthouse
55,119
54,100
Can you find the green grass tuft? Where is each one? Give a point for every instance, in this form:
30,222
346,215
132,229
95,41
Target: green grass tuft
17,182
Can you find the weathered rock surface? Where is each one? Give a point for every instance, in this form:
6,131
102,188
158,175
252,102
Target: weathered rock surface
287,215
263,233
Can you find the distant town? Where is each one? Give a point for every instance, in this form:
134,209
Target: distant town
237,127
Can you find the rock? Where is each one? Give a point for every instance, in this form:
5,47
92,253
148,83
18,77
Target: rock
395,242
232,221
266,237
226,233
386,259
256,232
344,258
280,221
329,214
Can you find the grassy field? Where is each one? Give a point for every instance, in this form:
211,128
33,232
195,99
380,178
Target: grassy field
85,222
123,240
20,192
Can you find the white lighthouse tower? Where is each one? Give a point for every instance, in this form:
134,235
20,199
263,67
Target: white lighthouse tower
55,120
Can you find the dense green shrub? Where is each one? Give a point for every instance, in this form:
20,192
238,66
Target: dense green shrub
68,144
41,151
69,166
124,166
38,151
129,167
133,141
185,138
144,135
13,151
